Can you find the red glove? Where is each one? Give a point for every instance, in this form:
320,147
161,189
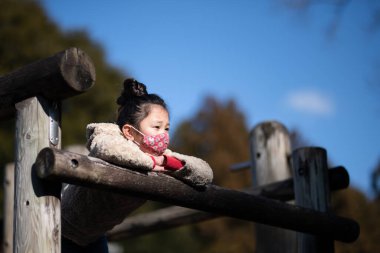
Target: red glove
172,163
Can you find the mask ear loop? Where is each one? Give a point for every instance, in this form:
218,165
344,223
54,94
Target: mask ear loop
137,131
143,135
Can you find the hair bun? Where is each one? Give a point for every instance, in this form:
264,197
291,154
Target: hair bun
132,88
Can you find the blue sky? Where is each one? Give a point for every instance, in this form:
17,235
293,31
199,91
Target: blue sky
277,63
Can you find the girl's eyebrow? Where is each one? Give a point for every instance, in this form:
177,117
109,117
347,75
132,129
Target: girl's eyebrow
160,122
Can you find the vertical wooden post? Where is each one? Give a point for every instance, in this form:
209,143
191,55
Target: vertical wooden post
37,205
270,152
311,188
8,207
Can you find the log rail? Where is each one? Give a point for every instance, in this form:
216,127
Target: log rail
33,95
65,74
54,164
175,216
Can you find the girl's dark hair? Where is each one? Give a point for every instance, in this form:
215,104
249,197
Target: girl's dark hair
135,103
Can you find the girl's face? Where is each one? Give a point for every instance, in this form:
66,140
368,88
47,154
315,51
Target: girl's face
156,122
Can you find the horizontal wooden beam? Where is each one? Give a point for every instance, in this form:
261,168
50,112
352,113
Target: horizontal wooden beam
176,216
62,75
165,218
284,190
77,169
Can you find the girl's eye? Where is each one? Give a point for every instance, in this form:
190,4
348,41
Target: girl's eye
167,129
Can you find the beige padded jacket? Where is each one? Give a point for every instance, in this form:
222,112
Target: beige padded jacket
88,213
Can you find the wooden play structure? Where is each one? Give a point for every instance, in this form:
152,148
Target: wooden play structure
33,94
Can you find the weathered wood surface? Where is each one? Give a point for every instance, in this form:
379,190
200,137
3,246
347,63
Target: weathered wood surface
73,168
284,190
65,74
312,191
161,219
270,152
176,216
37,204
8,206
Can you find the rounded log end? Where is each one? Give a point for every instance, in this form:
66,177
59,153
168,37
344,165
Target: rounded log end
269,127
339,178
352,232
356,232
44,162
77,69
310,151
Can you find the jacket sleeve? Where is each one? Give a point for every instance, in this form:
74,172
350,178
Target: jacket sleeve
88,213
105,141
195,172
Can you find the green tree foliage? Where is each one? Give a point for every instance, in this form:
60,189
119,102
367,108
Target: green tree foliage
27,35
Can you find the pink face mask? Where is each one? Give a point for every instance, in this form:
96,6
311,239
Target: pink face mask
154,144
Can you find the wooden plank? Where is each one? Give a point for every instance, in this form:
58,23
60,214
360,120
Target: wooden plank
73,168
37,203
62,75
8,207
175,216
312,191
270,151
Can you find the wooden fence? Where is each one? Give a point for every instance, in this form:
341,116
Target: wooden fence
35,91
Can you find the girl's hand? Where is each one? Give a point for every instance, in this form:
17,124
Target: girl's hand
159,168
160,160
166,163
158,163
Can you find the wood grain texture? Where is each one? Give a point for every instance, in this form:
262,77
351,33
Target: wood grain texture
37,204
161,219
311,186
175,216
53,164
8,207
62,75
270,152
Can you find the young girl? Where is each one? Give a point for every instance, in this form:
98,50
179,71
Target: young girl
138,141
